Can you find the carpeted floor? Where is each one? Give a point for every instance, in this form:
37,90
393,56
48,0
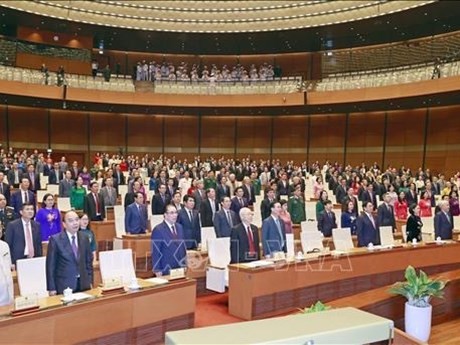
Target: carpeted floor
212,310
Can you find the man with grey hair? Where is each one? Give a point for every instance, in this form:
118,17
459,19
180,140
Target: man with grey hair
244,245
443,222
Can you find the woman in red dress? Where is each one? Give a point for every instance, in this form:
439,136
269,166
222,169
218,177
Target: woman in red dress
425,205
401,207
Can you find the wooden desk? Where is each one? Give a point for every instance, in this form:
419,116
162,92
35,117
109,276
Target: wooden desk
105,233
140,317
257,293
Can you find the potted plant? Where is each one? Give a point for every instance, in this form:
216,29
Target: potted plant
418,289
318,306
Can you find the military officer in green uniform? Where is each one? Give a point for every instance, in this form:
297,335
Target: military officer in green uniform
6,215
296,206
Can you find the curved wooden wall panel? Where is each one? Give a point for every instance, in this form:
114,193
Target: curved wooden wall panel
28,127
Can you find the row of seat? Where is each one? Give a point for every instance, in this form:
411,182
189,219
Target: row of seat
386,77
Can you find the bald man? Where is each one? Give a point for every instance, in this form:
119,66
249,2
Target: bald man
69,261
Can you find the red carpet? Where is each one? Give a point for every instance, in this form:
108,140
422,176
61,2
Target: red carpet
212,310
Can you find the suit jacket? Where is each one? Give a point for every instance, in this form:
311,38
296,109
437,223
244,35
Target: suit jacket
221,192
109,200
11,176
239,244
74,174
265,210
136,219
35,184
168,252
235,206
65,188
252,199
63,268
442,226
16,200
129,199
14,236
221,225
326,223
192,229
345,202
366,232
46,169
340,194
282,188
411,198
199,198
271,240
89,206
366,198
158,206
52,177
386,217
5,190
118,179
206,212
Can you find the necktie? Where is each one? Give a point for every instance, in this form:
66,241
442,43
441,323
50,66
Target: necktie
372,220
29,242
32,181
173,228
1,188
229,219
163,198
330,215
447,216
26,197
213,207
96,201
241,202
190,216
57,175
109,192
74,247
252,248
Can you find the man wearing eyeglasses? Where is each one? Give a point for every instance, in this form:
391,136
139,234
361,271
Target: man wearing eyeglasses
168,245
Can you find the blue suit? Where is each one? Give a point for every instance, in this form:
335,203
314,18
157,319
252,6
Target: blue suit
63,268
366,232
16,200
168,252
235,206
271,240
442,226
221,225
192,230
136,219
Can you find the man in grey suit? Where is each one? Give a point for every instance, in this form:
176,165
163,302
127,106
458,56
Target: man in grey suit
199,194
225,219
109,193
69,261
23,235
66,184
443,222
273,232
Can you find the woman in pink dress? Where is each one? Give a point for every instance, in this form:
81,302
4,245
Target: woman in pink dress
425,205
318,186
454,204
286,217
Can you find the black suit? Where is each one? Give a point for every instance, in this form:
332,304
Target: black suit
366,197
326,223
443,225
5,190
251,200
52,177
340,194
283,187
386,216
206,212
265,210
90,208
34,182
239,245
15,238
129,199
192,229
158,204
222,191
63,269
411,197
366,231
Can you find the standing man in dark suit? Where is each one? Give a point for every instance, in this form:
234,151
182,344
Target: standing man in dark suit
136,216
248,190
75,171
55,175
189,218
94,204
33,177
199,194
22,196
69,261
5,188
244,243
283,185
273,232
23,235
443,222
367,227
209,207
225,219
265,205
66,184
369,196
349,197
168,245
326,220
130,196
14,175
385,213
411,195
222,188
160,200
238,202
341,191
118,177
